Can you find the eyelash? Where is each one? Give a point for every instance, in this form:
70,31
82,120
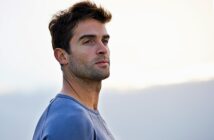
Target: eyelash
91,41
105,42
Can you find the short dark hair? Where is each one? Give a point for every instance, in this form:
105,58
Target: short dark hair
63,23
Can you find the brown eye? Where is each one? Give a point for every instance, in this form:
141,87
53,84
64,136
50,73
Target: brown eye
105,41
89,42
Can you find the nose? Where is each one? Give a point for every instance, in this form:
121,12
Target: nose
102,48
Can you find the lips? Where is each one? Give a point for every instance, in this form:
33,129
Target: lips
103,62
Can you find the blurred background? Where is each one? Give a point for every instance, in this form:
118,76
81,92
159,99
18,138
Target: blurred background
162,68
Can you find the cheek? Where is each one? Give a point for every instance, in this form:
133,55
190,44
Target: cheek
84,57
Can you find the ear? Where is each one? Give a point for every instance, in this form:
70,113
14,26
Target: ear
61,56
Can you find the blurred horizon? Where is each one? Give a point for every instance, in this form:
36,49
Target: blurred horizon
56,90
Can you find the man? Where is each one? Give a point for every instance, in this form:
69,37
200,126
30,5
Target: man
80,43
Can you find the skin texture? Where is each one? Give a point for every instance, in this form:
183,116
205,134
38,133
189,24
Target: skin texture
87,64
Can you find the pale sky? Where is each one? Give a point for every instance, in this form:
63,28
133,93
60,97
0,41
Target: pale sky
153,42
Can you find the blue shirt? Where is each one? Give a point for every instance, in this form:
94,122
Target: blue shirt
67,119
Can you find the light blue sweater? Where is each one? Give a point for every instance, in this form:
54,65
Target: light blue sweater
67,119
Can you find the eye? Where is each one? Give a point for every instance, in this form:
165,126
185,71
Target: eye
105,41
89,42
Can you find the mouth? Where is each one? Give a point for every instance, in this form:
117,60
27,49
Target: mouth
103,63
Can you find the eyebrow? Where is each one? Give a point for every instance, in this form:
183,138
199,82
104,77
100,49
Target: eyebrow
93,36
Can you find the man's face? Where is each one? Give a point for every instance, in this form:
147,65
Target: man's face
89,57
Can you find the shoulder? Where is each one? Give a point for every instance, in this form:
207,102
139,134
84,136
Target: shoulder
67,119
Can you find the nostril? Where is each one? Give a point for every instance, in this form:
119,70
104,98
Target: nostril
102,52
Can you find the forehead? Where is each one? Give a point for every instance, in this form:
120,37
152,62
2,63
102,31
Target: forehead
89,26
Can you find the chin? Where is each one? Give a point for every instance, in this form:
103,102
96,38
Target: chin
101,77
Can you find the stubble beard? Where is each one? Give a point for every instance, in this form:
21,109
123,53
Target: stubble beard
88,71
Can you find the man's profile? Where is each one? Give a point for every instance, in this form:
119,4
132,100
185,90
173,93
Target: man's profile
80,44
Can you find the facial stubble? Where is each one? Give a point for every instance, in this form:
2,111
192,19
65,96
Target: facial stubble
88,71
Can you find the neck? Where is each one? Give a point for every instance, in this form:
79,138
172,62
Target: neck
85,91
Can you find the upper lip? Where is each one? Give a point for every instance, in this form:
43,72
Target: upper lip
102,61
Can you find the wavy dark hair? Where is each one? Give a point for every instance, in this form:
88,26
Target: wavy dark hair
63,23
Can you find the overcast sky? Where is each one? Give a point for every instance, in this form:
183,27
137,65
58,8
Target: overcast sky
153,42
